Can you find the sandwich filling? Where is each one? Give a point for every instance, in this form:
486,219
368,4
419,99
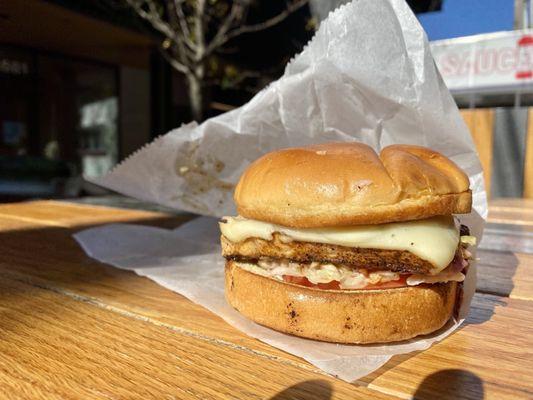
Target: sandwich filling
433,240
357,257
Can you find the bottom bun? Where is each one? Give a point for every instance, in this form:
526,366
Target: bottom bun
342,316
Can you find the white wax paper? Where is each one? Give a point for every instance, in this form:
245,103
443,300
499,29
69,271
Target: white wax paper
367,75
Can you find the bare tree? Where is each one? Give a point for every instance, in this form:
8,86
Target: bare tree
193,30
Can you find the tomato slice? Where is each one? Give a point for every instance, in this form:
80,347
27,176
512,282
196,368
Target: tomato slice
334,285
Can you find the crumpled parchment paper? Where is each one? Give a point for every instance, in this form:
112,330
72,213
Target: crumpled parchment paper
367,75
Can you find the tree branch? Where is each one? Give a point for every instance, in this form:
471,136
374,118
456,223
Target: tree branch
199,30
186,54
174,63
182,20
183,53
218,39
152,17
224,34
291,8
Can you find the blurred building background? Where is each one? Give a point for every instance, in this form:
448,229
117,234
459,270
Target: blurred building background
484,50
84,84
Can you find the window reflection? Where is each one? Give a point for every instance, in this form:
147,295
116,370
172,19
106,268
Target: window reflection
98,128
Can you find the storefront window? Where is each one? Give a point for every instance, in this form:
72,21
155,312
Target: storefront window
58,121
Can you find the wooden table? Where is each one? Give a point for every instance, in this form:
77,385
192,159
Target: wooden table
74,328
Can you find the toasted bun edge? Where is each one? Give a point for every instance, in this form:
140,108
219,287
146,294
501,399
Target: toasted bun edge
341,316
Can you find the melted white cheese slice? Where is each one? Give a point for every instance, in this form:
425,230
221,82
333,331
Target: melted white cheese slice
433,239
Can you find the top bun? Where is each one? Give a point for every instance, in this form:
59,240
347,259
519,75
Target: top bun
341,184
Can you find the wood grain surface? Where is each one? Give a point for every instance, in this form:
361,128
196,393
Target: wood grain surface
57,346
75,328
512,212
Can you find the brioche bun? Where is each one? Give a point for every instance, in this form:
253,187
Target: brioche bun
338,184
342,316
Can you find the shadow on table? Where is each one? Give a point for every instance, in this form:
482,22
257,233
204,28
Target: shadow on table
451,384
46,253
313,389
495,273
496,270
39,256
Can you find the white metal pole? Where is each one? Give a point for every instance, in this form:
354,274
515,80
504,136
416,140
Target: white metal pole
472,101
519,14
517,98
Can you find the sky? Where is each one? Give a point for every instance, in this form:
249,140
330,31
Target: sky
468,17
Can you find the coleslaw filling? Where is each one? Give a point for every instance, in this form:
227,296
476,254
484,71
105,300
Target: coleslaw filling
350,278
